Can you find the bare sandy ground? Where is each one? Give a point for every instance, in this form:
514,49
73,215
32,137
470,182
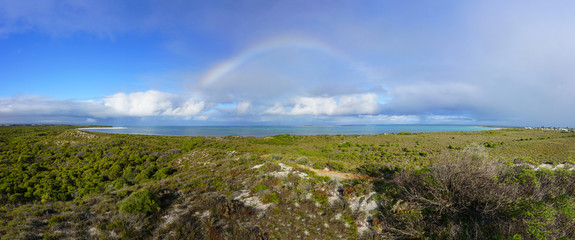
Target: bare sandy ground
333,174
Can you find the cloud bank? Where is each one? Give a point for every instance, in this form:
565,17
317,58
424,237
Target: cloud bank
138,104
330,106
153,103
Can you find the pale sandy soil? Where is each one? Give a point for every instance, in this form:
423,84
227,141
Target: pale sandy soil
333,174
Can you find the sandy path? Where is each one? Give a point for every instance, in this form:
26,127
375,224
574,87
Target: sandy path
334,174
331,174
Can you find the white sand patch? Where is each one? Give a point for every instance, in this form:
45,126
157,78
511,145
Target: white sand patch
258,166
243,194
94,231
285,167
337,216
302,175
206,214
365,204
172,216
252,201
545,165
333,196
362,228
286,170
565,166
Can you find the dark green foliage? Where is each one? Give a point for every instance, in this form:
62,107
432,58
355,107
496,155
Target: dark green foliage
142,201
164,173
376,170
492,145
259,188
406,133
284,139
54,163
271,197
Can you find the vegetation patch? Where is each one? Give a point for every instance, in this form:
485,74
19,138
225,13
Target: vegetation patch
142,201
57,182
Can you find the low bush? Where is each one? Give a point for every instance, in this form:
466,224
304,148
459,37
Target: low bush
376,170
270,198
472,196
259,188
456,197
142,201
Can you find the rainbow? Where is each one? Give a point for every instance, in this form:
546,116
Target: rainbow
225,67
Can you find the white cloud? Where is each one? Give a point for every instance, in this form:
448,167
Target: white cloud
365,103
277,109
91,120
37,105
243,107
139,104
388,119
153,103
314,106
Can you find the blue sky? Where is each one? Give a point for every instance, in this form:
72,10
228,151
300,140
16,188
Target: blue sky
258,62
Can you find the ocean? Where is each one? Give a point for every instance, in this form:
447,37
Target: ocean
260,131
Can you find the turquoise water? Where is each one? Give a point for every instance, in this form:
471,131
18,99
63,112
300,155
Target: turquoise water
260,131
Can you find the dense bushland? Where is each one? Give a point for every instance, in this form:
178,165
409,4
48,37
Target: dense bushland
50,163
58,182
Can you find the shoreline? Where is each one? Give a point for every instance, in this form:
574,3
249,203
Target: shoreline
265,131
493,128
101,128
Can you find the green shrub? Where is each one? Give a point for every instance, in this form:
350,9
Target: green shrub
123,193
58,219
321,198
163,173
301,160
16,197
489,144
259,188
145,175
270,198
54,236
337,166
318,165
142,201
406,133
376,170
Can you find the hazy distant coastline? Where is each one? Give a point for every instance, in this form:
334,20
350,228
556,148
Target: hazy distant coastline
101,128
261,131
